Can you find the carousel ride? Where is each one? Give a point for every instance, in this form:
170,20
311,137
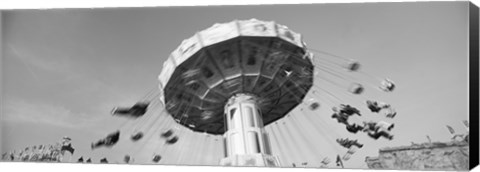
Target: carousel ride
234,79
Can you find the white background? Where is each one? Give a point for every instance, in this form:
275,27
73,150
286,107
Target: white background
32,4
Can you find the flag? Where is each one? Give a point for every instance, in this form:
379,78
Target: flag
126,159
429,139
346,157
465,122
326,160
450,129
34,157
339,161
68,148
4,155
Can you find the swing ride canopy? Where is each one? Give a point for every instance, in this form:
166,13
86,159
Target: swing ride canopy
246,56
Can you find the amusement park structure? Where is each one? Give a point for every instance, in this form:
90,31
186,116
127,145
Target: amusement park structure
230,85
234,79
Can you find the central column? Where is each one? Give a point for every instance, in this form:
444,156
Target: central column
246,142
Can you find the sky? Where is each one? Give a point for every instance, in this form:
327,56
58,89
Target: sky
64,70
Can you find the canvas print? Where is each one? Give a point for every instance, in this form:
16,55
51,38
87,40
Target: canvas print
357,86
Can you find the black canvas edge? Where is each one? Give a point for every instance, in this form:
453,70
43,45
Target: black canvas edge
473,86
1,80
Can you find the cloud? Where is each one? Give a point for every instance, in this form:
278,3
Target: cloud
44,68
53,65
56,115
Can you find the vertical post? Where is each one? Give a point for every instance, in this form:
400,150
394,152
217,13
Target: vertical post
246,142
